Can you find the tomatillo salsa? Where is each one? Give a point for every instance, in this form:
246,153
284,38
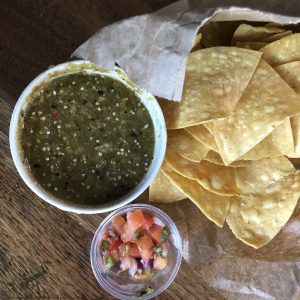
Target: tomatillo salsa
137,243
86,138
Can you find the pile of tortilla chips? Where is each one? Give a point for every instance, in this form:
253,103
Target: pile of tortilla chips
231,137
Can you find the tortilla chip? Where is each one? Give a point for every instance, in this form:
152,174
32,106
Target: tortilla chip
273,24
163,190
260,175
214,207
186,145
257,219
197,43
203,135
256,177
282,51
218,33
251,45
214,178
277,36
215,158
248,33
279,142
290,72
266,102
214,82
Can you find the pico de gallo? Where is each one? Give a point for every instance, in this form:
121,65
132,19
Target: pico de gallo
137,243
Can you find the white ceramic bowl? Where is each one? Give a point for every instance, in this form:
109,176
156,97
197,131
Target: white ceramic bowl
146,98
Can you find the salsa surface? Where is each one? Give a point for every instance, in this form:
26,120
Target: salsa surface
86,138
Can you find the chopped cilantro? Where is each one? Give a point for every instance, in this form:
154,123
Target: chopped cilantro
147,291
104,246
109,262
157,250
112,233
164,235
137,235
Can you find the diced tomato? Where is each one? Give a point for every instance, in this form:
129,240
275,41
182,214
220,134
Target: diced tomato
55,113
117,224
127,233
136,219
155,232
148,221
105,235
115,254
144,243
146,255
124,249
159,262
134,250
114,244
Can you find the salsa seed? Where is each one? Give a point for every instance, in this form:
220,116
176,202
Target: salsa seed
54,92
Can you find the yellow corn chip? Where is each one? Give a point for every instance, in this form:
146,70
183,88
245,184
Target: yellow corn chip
265,104
215,207
214,82
163,190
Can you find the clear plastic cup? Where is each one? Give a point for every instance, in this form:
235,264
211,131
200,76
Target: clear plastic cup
121,285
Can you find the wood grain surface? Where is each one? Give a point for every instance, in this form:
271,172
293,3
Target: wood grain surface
44,252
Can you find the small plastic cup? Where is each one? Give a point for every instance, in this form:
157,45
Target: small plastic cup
120,284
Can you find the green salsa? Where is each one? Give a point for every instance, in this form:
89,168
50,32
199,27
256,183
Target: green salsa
86,138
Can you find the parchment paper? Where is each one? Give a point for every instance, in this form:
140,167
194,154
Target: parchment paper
152,50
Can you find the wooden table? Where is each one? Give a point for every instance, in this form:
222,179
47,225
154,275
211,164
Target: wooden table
44,252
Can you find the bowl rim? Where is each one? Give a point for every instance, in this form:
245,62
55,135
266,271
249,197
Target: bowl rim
103,225
159,150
